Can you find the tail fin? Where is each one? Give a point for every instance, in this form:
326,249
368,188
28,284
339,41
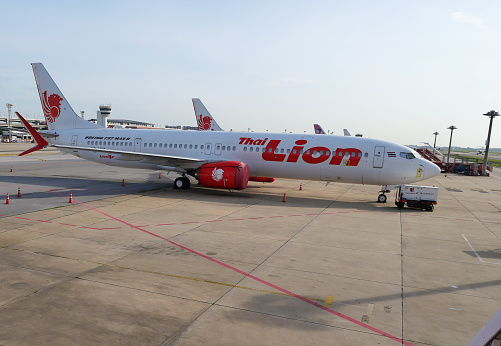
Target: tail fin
318,129
346,133
56,109
205,121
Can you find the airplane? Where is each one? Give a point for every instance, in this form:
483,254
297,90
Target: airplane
202,113
222,159
318,129
346,133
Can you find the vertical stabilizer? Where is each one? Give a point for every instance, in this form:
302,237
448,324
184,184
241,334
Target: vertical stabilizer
318,129
346,133
205,121
56,109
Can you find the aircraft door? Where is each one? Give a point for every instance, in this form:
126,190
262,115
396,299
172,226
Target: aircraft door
378,157
74,140
137,145
217,148
208,148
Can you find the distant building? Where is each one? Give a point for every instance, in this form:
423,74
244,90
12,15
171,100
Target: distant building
181,127
129,124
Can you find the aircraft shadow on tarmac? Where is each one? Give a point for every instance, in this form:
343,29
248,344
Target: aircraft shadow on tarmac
85,187
492,254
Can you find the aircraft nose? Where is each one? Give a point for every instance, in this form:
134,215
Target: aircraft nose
431,169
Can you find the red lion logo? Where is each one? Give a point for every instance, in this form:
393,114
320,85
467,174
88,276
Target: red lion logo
51,106
204,123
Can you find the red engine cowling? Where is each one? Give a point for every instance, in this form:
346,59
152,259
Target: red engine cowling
232,175
262,179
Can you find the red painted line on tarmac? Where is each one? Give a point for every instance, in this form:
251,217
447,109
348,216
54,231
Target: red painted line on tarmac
343,212
67,224
256,218
233,220
312,214
22,218
165,224
283,290
214,221
271,217
184,223
44,221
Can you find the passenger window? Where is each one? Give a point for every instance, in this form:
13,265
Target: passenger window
288,151
185,146
359,154
245,148
155,145
294,151
366,155
308,152
353,154
202,146
175,145
328,153
170,145
145,144
150,145
234,148
257,150
251,149
100,142
196,146
282,150
191,146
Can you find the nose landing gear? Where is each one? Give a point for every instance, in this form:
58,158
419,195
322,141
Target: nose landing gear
382,197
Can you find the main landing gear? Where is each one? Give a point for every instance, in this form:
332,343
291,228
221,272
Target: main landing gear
382,197
182,183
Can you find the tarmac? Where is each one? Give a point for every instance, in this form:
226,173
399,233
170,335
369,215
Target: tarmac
144,264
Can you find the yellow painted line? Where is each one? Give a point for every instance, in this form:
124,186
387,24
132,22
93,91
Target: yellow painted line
329,300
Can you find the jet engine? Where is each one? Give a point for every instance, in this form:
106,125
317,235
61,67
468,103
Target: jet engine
233,175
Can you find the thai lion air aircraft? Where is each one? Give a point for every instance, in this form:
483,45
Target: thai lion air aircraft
222,159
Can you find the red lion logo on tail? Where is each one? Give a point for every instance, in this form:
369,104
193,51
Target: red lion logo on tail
51,106
204,123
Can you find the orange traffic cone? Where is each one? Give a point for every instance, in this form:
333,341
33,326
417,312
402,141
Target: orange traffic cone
300,187
71,198
285,198
160,175
8,200
123,182
11,170
18,192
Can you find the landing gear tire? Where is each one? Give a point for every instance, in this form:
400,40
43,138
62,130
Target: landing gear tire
381,198
400,205
181,183
430,208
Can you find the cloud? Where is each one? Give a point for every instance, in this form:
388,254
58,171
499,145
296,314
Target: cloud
462,17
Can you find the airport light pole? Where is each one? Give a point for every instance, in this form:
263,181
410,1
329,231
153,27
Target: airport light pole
435,142
9,108
491,115
452,128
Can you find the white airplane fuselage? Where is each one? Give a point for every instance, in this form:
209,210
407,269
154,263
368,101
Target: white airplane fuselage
295,156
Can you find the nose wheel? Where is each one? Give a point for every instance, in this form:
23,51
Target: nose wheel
382,197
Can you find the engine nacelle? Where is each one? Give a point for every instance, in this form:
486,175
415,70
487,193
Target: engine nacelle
233,175
262,179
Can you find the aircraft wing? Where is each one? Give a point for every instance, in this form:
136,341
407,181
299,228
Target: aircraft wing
174,162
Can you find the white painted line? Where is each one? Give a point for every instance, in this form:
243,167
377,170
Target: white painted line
476,254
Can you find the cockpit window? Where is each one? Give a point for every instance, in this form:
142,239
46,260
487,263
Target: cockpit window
408,156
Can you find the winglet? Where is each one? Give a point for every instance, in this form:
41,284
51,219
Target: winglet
205,120
41,142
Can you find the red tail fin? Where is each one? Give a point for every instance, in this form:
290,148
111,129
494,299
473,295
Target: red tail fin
41,142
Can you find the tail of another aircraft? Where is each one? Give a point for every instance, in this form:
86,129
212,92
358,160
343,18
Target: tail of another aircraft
205,121
56,109
346,133
318,129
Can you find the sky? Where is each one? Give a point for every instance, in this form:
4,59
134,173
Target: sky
393,70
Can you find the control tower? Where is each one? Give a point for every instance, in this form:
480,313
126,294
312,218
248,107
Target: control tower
102,115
